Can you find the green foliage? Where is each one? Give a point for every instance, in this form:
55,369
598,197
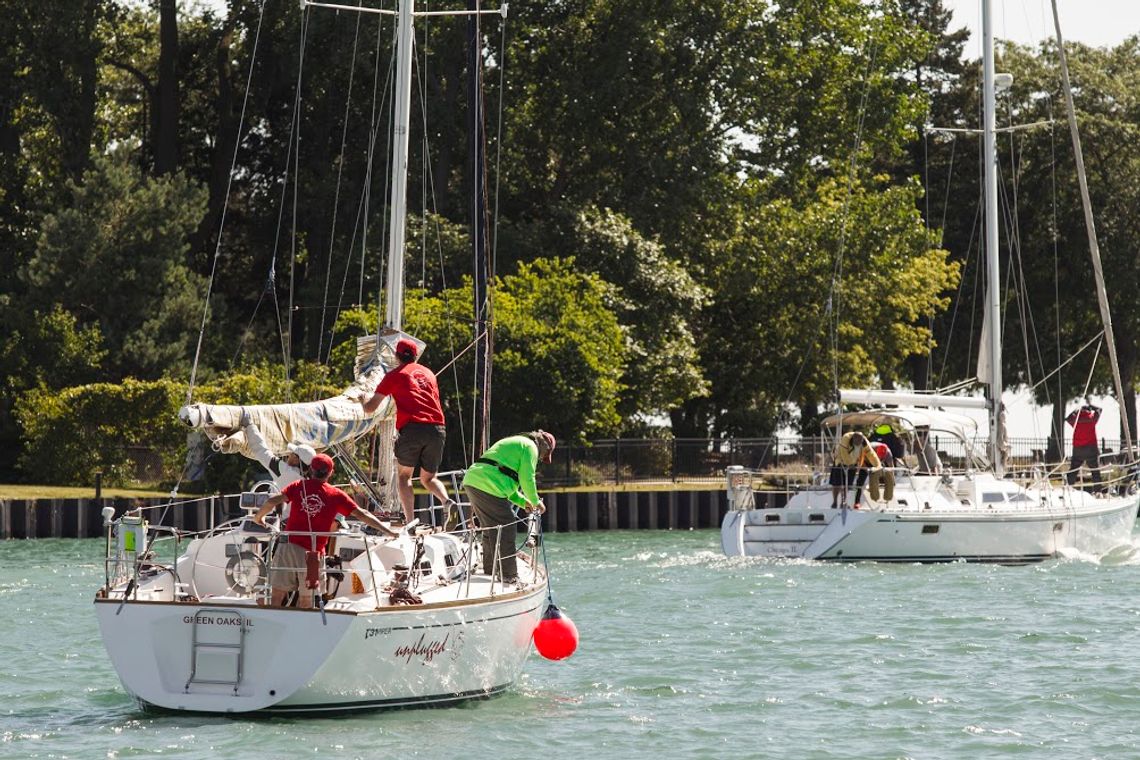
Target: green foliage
861,268
73,433
50,350
655,301
670,184
116,258
559,350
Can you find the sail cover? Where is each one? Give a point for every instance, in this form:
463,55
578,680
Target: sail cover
320,424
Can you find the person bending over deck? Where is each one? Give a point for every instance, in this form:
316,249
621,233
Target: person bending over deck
851,460
884,476
315,505
420,425
502,476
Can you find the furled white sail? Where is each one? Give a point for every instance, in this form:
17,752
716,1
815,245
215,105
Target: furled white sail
320,424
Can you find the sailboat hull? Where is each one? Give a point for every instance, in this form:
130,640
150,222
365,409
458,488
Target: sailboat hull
243,658
928,522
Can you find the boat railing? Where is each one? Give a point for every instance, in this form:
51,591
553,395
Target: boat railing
138,548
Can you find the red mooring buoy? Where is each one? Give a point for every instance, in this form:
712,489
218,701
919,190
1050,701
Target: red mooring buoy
555,636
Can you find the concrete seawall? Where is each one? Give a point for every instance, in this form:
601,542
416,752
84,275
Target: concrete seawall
567,511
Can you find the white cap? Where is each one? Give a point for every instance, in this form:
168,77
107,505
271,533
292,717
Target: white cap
304,452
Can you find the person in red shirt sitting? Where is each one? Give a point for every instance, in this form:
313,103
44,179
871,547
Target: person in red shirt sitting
1085,448
314,506
420,428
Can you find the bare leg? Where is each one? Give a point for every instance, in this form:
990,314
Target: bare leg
435,485
279,597
407,495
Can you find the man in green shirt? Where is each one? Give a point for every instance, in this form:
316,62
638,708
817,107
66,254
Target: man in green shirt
503,476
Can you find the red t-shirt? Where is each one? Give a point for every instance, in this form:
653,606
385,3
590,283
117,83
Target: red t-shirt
416,393
883,451
314,505
1084,427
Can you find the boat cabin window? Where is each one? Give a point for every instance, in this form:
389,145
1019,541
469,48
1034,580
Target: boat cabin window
993,498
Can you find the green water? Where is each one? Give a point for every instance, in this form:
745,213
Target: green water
684,654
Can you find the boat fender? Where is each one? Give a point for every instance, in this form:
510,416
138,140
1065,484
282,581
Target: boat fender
555,636
312,569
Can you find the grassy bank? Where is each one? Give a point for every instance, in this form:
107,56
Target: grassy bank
21,491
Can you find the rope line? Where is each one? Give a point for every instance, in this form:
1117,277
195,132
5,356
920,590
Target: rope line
225,207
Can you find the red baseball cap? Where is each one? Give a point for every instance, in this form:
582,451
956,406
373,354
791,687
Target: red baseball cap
406,349
322,465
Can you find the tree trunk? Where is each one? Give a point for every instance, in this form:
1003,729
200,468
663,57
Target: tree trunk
165,109
224,141
74,109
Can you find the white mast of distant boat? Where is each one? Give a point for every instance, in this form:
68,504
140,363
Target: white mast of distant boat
989,193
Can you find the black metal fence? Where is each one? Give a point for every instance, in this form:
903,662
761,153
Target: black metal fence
699,460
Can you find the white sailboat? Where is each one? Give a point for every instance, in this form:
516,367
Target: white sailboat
970,511
397,623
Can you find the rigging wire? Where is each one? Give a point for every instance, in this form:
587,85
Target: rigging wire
492,265
225,205
339,178
428,189
305,15
360,223
834,302
831,306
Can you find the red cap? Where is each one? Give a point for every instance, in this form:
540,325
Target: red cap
406,349
321,466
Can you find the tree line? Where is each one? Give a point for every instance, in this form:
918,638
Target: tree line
708,215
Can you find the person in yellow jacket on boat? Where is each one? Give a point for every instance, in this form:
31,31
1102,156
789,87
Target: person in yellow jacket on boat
852,459
502,476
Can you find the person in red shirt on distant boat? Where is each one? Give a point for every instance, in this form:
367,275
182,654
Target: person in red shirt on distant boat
1085,447
420,427
314,506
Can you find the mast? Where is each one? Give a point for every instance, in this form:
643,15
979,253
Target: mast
402,108
476,129
1090,228
989,192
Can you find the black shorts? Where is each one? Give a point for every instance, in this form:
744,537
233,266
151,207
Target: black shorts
421,445
845,476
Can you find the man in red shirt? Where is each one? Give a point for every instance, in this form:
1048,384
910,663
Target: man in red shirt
1085,448
420,431
314,506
